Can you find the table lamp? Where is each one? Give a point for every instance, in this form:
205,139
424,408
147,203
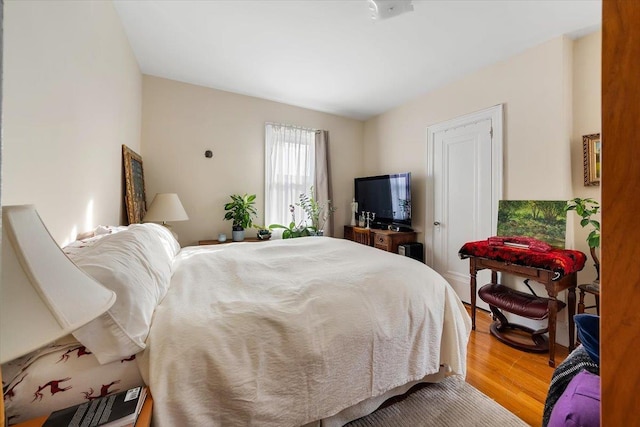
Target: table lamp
43,294
165,207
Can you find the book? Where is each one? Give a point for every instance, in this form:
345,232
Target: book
516,245
115,410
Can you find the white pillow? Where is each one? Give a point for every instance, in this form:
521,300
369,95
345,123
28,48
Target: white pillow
90,238
136,264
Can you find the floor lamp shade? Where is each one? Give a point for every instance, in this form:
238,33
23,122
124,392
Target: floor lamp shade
166,207
43,295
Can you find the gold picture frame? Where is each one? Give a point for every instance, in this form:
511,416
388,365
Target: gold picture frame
591,150
134,197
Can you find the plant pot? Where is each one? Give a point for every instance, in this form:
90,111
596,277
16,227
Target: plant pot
264,234
237,235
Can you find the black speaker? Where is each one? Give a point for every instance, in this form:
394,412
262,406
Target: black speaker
412,250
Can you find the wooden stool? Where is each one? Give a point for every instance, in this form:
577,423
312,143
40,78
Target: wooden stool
589,288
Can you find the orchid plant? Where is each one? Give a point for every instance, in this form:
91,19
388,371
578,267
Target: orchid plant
317,213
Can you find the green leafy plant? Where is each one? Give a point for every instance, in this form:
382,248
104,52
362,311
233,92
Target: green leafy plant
586,209
292,230
318,213
241,210
263,232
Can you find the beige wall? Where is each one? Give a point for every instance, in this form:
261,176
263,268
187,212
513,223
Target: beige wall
587,110
180,121
72,96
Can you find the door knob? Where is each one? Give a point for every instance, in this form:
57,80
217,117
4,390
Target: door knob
436,223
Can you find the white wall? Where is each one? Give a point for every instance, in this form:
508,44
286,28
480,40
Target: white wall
181,121
71,98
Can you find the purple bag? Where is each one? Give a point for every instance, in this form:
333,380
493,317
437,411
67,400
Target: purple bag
579,405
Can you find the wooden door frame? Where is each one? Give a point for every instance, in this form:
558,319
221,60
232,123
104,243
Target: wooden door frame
620,263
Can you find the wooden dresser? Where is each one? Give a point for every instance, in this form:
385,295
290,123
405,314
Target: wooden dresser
386,240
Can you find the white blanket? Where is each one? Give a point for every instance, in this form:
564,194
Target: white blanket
286,332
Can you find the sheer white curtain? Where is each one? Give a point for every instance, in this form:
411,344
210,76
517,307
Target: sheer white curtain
289,170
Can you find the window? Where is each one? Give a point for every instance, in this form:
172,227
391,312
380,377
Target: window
289,170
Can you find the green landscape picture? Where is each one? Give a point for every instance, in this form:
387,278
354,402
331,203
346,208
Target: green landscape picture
544,220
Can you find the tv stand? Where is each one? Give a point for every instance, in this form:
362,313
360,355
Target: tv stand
386,240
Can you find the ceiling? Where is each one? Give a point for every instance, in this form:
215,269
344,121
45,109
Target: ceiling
329,55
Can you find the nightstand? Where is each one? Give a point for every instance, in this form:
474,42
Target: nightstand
217,242
144,419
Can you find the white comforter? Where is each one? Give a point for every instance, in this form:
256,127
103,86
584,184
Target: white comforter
286,332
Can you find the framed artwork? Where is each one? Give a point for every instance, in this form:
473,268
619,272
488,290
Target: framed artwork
591,149
544,220
134,197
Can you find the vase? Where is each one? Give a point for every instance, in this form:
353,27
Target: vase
237,235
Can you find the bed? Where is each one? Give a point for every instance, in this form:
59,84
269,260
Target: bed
313,331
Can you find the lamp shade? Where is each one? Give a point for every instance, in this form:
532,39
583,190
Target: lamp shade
43,294
165,207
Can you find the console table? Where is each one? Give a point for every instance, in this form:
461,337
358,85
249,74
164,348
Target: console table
556,270
386,240
217,242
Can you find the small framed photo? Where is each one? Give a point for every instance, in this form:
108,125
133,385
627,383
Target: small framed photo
591,149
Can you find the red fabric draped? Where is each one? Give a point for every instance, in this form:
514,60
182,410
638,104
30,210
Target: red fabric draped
560,261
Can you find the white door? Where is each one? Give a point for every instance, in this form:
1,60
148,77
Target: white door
466,184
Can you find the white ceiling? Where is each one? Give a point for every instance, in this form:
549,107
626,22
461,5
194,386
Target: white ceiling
329,55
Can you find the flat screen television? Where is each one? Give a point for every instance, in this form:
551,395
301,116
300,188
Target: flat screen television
389,196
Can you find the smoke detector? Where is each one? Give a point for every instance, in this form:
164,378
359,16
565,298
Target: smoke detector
384,9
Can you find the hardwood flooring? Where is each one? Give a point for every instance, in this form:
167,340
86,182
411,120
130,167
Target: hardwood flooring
515,379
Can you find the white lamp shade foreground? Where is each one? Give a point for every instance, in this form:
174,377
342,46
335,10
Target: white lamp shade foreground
165,207
43,294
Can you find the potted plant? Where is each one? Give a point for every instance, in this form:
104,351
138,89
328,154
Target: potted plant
292,230
263,232
586,209
240,210
318,213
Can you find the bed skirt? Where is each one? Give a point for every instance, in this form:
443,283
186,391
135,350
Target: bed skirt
370,405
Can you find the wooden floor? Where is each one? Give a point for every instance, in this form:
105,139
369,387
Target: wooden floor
515,379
